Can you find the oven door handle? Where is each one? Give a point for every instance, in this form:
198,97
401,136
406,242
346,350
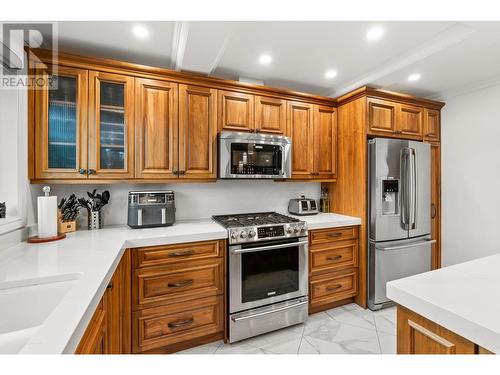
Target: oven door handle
271,247
237,319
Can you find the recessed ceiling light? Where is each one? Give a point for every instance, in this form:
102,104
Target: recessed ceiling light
414,77
331,74
374,33
265,59
140,31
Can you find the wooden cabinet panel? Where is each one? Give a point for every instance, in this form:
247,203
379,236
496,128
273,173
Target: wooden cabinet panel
329,288
159,255
197,132
326,236
410,121
299,128
236,111
177,282
382,116
111,129
60,117
270,115
432,124
94,340
157,328
325,142
156,129
332,257
436,204
418,335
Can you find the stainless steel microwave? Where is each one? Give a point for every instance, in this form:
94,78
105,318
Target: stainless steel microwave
254,155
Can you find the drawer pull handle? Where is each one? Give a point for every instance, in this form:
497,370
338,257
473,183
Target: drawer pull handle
334,235
333,288
181,323
181,253
336,257
180,284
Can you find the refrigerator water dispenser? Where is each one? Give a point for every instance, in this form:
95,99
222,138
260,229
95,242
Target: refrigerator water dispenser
390,197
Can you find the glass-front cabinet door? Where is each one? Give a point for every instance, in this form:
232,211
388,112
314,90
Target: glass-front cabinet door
61,123
111,138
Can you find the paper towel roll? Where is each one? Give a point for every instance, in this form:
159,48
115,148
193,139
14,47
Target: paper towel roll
47,217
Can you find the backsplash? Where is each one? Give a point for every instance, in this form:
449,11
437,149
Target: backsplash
195,200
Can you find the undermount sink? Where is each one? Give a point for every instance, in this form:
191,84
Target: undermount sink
26,304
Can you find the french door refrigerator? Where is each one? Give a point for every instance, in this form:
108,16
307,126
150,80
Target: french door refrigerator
399,186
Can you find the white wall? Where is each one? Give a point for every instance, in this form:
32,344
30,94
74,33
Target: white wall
471,176
197,200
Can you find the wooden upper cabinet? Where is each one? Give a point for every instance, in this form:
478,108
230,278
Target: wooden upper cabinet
111,128
300,129
325,142
60,117
236,111
432,124
270,115
197,132
382,116
410,121
156,129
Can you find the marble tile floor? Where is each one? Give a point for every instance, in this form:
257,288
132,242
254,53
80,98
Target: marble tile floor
348,329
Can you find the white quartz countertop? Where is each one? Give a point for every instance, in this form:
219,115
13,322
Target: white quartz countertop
331,220
463,298
89,258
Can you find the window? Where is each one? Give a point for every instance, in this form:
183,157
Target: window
13,157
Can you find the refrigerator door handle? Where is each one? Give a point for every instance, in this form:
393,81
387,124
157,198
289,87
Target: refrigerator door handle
413,186
404,189
388,248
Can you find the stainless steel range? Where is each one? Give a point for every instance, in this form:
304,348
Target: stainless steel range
267,268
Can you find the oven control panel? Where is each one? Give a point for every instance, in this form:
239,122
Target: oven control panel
267,232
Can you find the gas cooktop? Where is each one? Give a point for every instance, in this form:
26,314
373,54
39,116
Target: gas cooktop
261,226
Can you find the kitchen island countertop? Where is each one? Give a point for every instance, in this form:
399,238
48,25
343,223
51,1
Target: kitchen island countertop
464,298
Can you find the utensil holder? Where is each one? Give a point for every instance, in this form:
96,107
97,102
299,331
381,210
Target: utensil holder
95,220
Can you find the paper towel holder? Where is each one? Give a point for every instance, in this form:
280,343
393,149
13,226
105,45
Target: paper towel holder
59,236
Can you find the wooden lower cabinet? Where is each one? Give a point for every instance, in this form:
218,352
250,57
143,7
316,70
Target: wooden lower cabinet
418,335
95,338
333,267
156,329
177,296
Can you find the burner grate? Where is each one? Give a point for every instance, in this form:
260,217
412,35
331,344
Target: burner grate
253,219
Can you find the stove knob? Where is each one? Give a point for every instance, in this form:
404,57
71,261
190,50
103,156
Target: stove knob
243,234
303,229
251,233
296,229
234,234
289,230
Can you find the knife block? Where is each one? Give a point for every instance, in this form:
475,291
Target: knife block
65,226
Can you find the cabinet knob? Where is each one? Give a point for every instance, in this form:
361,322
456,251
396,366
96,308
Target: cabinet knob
82,171
182,173
91,171
433,211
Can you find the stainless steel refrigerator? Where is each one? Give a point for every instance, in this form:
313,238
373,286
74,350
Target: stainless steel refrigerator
399,199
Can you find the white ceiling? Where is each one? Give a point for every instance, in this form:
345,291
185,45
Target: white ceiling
450,56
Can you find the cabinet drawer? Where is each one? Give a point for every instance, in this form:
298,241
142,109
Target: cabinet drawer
331,288
178,282
158,327
158,255
332,257
322,236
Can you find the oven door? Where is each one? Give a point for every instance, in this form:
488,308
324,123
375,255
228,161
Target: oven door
254,156
265,273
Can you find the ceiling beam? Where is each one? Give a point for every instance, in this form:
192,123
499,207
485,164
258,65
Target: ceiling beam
180,36
449,37
220,53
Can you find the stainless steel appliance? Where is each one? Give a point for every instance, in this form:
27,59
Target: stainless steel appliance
254,155
267,268
147,209
303,206
399,214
